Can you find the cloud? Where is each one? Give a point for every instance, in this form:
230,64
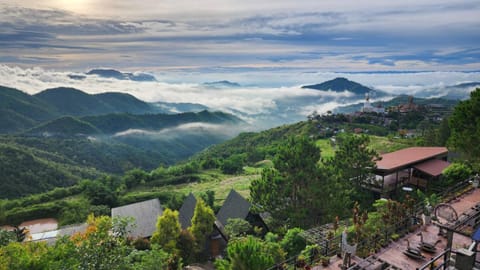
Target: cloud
224,130
260,105
183,35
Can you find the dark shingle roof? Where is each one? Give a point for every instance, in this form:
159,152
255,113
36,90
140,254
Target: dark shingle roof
145,214
235,206
186,211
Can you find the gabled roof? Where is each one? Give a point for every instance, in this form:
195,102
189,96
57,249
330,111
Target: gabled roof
235,206
185,214
432,167
409,156
145,214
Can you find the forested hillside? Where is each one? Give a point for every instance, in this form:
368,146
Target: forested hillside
61,136
26,171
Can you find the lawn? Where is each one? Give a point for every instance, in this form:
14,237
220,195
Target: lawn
386,145
326,148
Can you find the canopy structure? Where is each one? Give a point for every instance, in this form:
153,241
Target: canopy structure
415,165
432,167
408,157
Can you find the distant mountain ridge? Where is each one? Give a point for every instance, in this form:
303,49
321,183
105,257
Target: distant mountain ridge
71,101
222,84
401,99
20,111
110,124
115,74
466,85
339,85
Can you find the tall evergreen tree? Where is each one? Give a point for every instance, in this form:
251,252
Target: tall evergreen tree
352,164
465,127
202,224
294,191
168,230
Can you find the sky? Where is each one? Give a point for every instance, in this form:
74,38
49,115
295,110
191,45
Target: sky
271,48
236,36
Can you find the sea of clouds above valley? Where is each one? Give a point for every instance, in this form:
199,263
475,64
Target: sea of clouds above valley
259,95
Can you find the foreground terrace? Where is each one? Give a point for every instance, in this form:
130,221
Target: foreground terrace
393,257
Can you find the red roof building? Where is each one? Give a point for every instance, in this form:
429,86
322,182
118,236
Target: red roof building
415,166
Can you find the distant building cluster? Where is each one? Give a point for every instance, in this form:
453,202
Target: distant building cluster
368,108
406,107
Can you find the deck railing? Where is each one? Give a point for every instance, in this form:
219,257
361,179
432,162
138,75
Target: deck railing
332,246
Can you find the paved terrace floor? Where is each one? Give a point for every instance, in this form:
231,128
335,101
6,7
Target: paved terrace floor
393,253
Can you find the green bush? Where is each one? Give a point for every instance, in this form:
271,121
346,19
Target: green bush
456,172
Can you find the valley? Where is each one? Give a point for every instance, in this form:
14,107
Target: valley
76,160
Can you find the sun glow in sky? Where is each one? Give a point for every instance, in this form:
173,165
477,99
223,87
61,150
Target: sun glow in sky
247,35
77,6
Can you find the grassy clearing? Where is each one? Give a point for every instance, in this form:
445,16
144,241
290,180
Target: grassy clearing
386,145
258,167
326,147
240,183
221,187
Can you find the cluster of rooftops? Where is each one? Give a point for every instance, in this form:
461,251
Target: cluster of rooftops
146,213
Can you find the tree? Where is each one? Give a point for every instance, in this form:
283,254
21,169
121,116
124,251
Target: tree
22,256
456,172
352,164
292,242
233,164
209,197
168,230
99,192
353,157
6,237
186,246
98,248
294,191
202,224
155,259
236,227
135,177
443,132
465,127
250,253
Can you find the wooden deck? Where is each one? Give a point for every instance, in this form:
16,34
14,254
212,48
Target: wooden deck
393,254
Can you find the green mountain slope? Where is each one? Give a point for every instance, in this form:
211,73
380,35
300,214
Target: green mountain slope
71,101
11,121
25,171
19,110
104,155
65,126
121,102
113,123
340,85
402,99
255,146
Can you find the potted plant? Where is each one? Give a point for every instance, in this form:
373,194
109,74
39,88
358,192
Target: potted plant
324,260
300,261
